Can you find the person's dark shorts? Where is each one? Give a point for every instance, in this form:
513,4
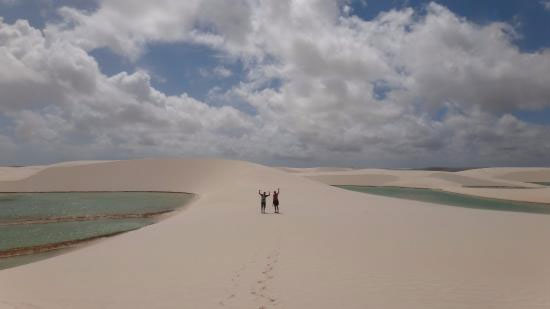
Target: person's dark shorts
263,204
276,203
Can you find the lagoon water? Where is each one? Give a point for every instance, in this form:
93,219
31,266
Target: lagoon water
547,184
28,235
452,199
28,206
31,220
26,259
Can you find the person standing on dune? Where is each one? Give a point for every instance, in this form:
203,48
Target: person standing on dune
263,197
276,200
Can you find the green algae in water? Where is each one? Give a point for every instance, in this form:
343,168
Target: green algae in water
17,206
452,199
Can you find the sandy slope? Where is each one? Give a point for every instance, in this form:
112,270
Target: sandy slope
330,248
8,173
534,174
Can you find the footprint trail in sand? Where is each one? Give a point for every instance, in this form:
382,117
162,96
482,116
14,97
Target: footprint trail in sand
260,287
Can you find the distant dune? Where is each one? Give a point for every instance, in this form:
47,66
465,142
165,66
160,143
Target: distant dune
314,169
330,248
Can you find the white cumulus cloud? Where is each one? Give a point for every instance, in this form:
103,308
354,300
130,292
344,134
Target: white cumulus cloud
322,86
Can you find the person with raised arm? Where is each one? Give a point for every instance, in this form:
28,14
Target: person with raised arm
263,196
276,200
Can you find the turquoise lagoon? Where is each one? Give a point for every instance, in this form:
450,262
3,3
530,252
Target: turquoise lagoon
452,199
28,206
41,221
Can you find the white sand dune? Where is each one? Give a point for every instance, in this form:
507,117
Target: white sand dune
533,174
314,169
330,248
8,173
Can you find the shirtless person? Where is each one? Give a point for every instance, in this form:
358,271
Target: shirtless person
263,197
276,200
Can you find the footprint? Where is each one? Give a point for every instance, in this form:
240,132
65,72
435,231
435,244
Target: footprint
262,290
235,283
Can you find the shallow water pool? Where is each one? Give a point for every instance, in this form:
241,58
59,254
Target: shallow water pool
452,199
29,235
17,206
34,223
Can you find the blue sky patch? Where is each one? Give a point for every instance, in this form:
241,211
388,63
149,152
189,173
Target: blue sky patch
528,16
176,68
380,89
111,63
39,12
537,116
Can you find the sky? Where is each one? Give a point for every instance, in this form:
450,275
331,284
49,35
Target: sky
366,83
